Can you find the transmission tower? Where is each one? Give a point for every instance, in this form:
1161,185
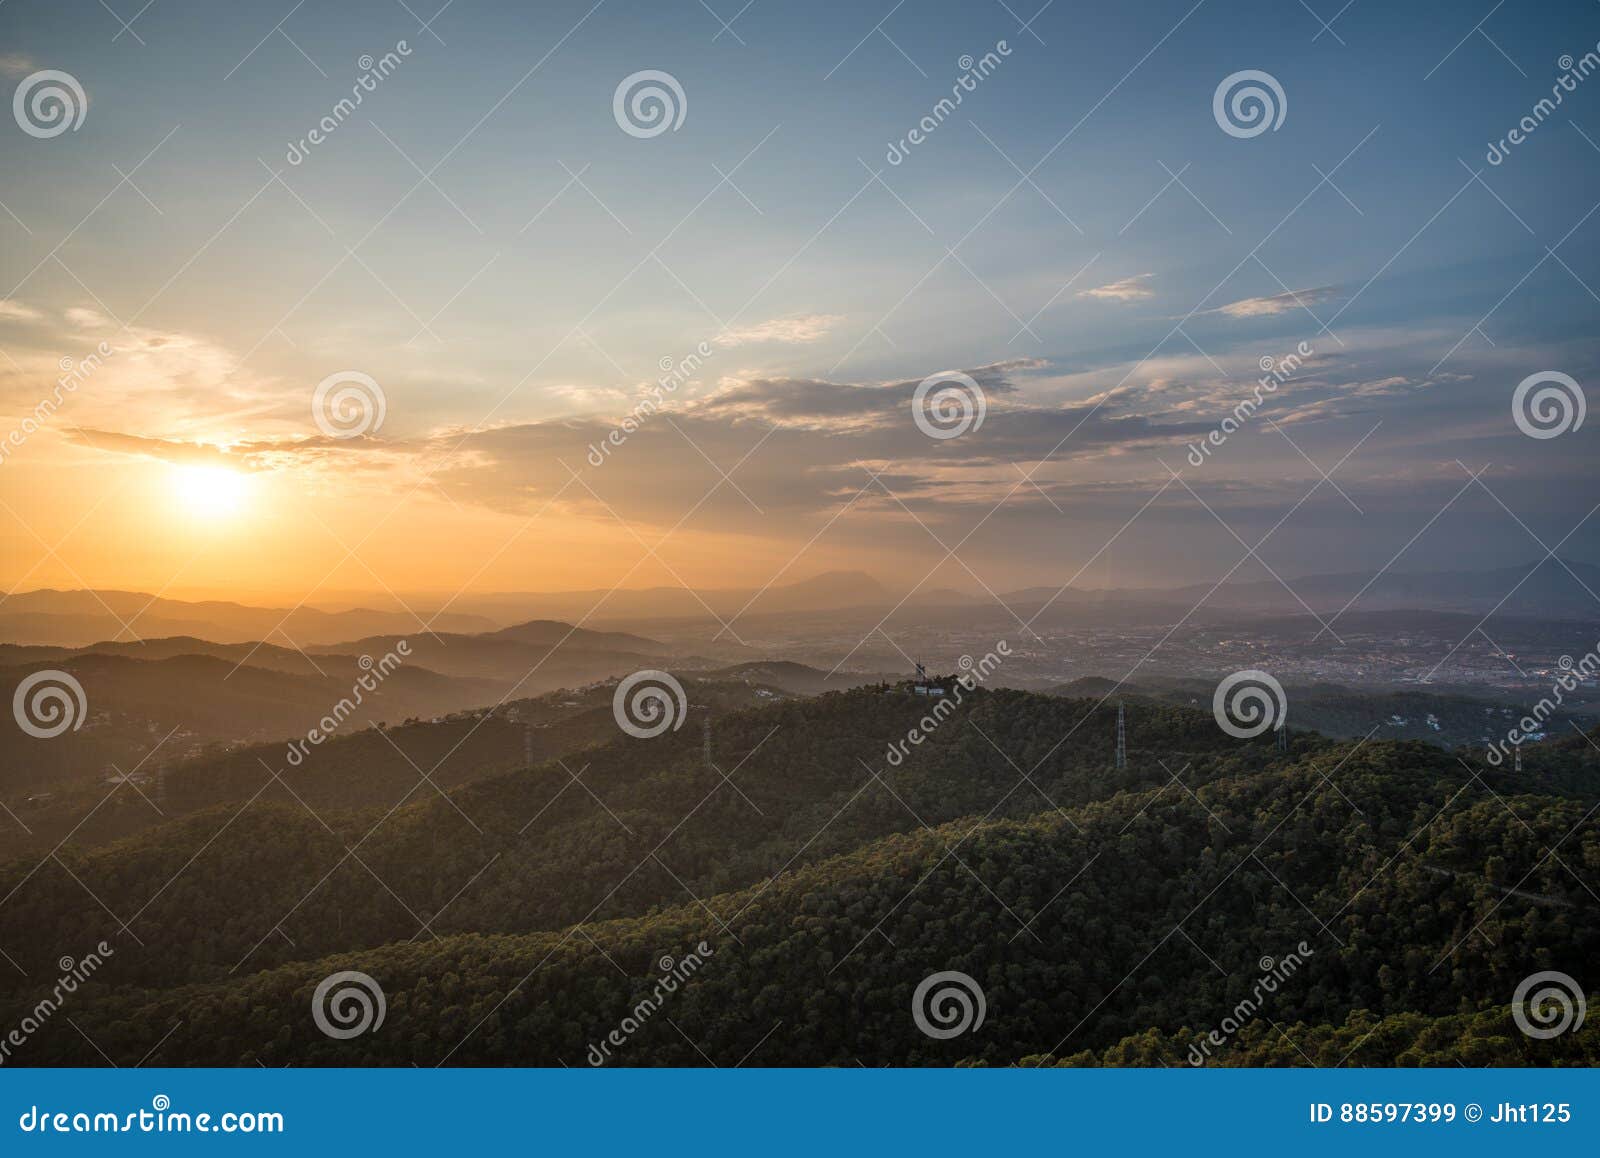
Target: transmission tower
1122,737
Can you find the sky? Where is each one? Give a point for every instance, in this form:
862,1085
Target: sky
510,255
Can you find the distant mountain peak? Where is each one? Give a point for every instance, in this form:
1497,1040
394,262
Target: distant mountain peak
855,580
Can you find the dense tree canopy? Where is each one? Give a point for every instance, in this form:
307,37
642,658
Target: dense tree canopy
1109,916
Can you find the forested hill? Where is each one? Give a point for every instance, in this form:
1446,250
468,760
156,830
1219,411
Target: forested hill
356,768
520,919
730,799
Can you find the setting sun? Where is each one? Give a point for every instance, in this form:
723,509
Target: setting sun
209,491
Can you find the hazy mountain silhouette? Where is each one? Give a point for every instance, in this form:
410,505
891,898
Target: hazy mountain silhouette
184,693
829,590
1551,589
77,618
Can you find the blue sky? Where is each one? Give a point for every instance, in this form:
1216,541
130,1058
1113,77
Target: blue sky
1114,305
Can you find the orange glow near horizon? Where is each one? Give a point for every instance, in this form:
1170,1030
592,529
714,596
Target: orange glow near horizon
80,518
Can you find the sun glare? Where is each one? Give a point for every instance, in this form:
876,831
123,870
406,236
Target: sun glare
209,492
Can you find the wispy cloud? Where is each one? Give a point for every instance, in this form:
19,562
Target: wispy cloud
806,328
85,319
1129,289
823,405
15,65
809,440
17,312
303,453
180,383
168,450
1267,307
